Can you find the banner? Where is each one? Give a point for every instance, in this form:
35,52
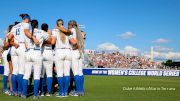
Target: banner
124,72
130,72
1,69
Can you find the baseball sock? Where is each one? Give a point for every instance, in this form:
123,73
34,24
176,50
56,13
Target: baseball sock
81,83
76,78
49,85
41,86
20,78
13,80
5,80
61,85
66,83
25,87
36,87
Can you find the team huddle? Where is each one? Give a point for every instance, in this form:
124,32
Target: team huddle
29,49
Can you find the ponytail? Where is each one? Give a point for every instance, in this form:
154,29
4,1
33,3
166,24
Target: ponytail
34,24
32,30
79,37
9,28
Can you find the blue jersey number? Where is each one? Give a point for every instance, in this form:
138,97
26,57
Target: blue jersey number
18,31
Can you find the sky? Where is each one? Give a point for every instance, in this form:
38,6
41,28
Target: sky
125,25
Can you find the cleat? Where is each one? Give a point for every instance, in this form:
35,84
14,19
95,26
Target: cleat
65,95
10,93
23,97
73,93
19,95
7,92
14,94
57,94
60,95
35,97
48,94
81,94
42,95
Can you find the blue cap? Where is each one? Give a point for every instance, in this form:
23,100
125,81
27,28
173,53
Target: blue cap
27,17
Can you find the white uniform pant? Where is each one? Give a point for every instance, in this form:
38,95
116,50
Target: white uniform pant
77,63
33,60
47,63
81,65
5,62
18,59
63,62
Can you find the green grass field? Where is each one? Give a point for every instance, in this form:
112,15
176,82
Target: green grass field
114,88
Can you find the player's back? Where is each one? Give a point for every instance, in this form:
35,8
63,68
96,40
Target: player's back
18,32
40,36
59,43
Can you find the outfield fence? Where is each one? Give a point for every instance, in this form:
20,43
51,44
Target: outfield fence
124,72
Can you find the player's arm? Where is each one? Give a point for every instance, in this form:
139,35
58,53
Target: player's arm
11,41
6,45
10,37
50,36
48,41
72,38
64,30
53,41
73,42
49,32
30,36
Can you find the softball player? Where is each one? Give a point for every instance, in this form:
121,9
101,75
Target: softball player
47,62
81,64
77,55
62,57
34,59
7,64
17,52
6,71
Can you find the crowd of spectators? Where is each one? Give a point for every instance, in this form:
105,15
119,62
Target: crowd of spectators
119,60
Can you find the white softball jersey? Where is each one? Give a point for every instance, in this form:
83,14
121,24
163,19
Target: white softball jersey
18,55
59,44
34,55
